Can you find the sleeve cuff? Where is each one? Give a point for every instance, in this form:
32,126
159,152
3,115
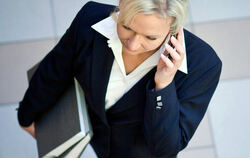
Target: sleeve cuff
23,119
163,99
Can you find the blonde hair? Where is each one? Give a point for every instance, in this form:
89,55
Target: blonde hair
174,10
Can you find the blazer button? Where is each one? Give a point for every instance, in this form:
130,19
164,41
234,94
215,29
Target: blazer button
158,98
158,107
159,103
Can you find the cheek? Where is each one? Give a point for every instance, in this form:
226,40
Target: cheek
152,45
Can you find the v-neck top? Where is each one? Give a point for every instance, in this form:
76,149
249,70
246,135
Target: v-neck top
119,81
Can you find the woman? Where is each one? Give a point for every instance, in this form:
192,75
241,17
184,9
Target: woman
141,102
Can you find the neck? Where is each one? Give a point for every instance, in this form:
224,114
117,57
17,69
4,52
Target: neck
131,62
137,57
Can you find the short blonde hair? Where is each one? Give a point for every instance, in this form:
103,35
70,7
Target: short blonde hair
174,10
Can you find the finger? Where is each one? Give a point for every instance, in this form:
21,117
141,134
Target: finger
33,131
34,135
175,56
167,61
178,46
180,35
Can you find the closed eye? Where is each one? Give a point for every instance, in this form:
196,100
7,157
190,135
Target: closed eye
127,28
150,38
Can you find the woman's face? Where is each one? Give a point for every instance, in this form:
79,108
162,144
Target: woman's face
145,33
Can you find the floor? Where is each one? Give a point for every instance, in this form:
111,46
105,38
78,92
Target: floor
30,29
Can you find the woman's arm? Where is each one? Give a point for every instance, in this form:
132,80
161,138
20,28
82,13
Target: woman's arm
169,129
172,114
53,75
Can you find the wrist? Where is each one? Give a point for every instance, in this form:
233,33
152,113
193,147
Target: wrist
160,86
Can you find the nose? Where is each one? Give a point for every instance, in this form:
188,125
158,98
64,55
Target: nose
134,43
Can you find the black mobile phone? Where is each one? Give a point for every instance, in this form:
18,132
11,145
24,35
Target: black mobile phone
171,45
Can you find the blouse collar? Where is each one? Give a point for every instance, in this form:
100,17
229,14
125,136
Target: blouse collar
108,28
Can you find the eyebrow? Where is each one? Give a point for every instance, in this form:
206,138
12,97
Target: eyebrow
155,36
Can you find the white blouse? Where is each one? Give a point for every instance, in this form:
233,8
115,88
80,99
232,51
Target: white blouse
119,82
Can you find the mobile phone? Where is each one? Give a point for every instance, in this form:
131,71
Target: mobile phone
169,43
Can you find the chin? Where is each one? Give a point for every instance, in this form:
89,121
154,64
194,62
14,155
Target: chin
132,52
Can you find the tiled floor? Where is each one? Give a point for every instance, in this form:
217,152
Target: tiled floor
207,152
203,136
65,11
14,141
15,60
213,10
25,20
231,41
30,29
229,116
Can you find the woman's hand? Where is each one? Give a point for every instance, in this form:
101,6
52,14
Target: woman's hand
166,68
30,129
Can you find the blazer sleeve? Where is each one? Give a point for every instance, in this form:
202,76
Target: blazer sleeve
169,127
52,76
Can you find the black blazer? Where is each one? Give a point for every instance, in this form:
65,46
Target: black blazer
133,127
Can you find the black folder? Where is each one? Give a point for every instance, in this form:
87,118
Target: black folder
64,130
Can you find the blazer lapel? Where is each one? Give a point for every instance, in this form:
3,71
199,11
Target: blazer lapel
102,62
